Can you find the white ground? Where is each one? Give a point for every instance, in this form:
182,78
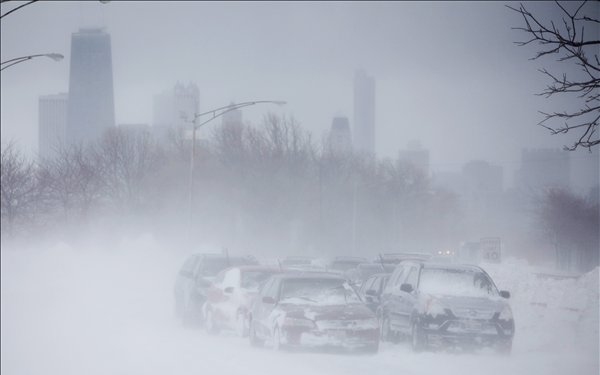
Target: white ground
68,311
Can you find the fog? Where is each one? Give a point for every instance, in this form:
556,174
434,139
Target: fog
94,234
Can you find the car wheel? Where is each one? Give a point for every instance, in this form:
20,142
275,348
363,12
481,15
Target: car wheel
241,324
385,332
254,340
277,339
418,338
504,347
209,323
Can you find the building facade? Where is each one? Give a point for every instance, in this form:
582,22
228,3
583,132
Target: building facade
52,124
91,107
340,137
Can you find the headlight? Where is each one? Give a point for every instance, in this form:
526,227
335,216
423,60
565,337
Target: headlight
298,322
506,313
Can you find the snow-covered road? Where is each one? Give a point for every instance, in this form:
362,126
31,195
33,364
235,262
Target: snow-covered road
68,311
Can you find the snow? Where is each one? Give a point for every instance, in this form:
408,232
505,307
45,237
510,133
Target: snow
67,310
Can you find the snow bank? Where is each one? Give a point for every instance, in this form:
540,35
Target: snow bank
109,310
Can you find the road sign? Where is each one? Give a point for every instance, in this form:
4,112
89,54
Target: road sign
490,249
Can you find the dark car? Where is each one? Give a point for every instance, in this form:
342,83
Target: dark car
444,304
312,310
372,288
195,277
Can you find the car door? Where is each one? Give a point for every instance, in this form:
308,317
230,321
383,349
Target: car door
395,298
407,300
264,309
387,297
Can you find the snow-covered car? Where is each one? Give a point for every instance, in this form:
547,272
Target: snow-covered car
396,258
312,310
300,260
372,288
363,271
228,299
445,304
342,264
195,277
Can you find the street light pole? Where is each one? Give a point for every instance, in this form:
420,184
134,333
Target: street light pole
218,112
18,60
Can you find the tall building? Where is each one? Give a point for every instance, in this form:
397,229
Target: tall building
416,155
172,107
340,138
52,123
91,107
233,117
364,112
542,168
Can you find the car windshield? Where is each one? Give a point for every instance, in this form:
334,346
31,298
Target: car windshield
318,291
456,283
253,280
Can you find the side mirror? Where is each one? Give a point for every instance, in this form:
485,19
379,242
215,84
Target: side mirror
269,300
505,294
406,288
371,292
228,290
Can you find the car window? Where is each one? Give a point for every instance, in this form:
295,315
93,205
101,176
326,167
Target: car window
395,276
231,278
367,285
271,291
376,286
265,288
220,277
188,266
412,277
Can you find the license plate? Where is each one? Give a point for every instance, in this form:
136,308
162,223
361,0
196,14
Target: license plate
472,325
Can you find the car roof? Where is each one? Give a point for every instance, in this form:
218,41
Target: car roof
257,268
308,275
446,266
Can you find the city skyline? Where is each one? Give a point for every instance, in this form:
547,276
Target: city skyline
454,98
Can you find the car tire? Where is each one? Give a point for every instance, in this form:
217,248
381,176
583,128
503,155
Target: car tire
254,340
210,325
241,324
385,332
418,338
276,339
504,347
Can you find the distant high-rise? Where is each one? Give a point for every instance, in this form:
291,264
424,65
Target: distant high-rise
52,123
416,155
364,112
543,168
340,138
171,105
91,107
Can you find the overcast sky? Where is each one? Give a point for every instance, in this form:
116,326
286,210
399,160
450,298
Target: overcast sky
447,74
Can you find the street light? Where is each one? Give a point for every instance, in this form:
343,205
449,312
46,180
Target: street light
218,112
17,60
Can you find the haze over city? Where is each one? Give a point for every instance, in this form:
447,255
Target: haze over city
447,75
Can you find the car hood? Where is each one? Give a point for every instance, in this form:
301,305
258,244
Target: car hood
327,312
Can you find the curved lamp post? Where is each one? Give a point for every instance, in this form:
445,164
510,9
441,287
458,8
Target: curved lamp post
17,60
212,114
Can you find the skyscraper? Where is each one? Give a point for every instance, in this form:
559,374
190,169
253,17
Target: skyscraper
340,139
91,104
364,112
52,123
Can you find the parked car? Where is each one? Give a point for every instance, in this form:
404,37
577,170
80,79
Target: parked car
363,271
194,278
297,261
342,264
372,288
229,298
445,304
312,310
396,258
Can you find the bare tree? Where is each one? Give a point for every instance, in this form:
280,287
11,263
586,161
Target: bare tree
18,192
575,39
